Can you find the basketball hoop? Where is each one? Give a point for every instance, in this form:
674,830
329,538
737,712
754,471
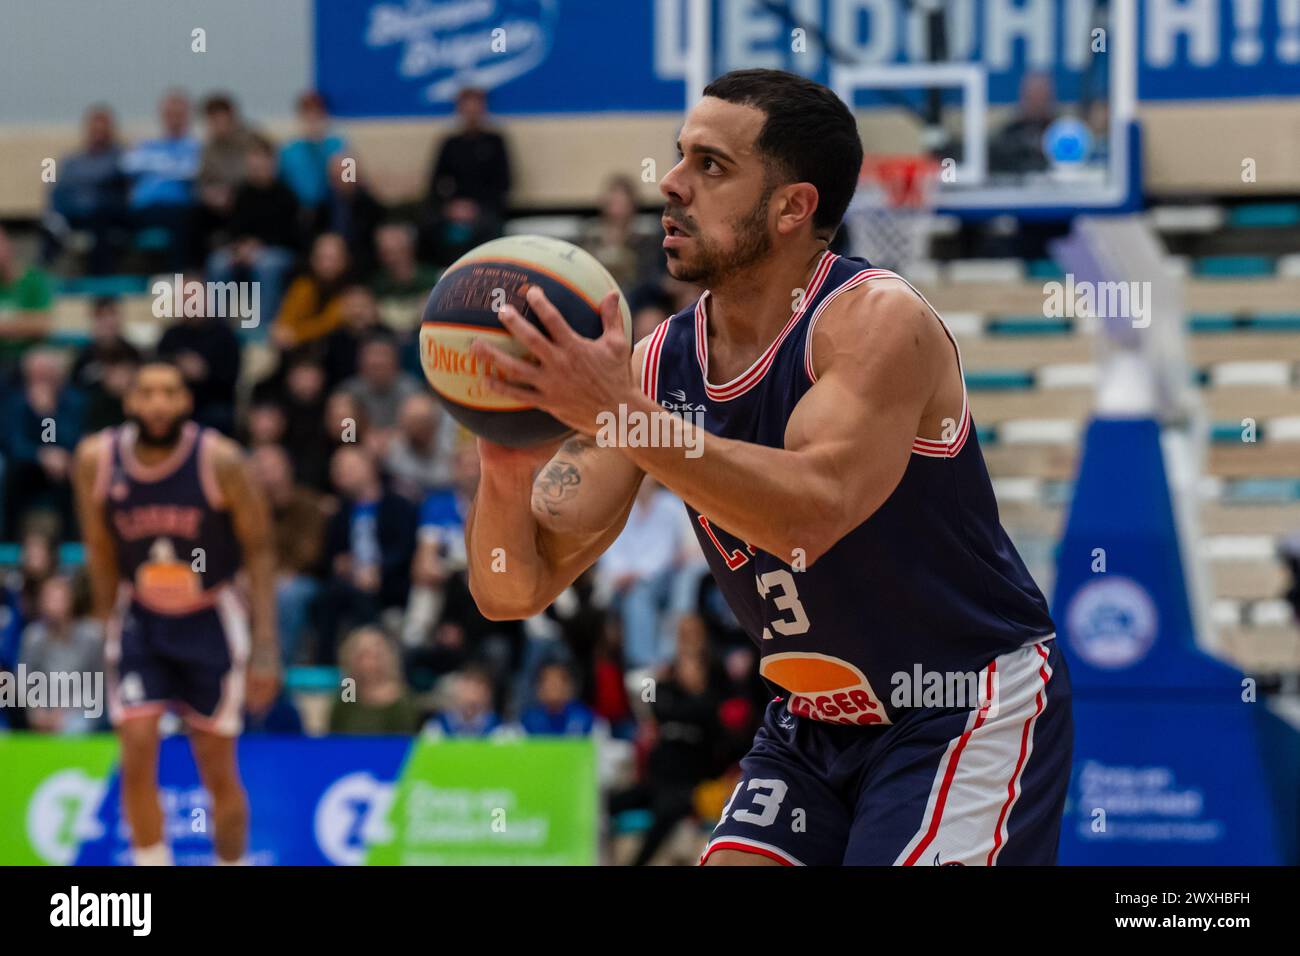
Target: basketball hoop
890,216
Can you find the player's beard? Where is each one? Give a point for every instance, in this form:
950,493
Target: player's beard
711,262
167,439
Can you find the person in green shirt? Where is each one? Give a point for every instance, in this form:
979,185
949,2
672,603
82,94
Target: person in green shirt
400,272
26,294
374,698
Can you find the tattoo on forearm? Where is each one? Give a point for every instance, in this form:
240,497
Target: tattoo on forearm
557,484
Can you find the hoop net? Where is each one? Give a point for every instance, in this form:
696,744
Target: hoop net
889,218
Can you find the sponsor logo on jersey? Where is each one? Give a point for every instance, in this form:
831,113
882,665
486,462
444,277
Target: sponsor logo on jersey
824,688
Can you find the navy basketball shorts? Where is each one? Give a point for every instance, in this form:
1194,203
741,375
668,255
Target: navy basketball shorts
192,664
974,786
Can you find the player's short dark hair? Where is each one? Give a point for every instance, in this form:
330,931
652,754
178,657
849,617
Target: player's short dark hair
218,103
165,359
809,135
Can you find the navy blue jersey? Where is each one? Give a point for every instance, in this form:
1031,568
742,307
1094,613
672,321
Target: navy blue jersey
175,539
929,581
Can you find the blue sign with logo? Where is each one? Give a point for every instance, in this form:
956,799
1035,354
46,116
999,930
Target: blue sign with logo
316,801
1170,761
408,57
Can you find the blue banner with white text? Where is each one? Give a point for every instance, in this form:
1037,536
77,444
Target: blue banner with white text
409,57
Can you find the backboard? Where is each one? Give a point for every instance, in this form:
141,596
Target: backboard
1028,105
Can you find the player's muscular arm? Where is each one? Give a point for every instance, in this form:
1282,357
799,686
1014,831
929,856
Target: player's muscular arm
879,356
101,555
252,523
539,519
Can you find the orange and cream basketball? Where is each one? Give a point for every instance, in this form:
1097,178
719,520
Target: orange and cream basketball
464,306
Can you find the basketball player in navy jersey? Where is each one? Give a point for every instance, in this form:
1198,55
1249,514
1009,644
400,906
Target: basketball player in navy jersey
170,514
841,499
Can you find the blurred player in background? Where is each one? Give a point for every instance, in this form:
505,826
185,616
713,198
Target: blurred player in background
170,513
841,498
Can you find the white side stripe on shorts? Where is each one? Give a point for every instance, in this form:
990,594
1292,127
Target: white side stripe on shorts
978,779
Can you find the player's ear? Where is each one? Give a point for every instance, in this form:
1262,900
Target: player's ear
797,205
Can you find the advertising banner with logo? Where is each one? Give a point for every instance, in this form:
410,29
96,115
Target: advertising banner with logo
1169,759
50,791
511,803
315,801
408,57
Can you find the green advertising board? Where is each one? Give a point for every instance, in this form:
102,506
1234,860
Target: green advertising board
497,803
51,795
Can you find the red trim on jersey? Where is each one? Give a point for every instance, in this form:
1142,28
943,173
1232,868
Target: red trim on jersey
736,559
650,360
928,447
164,468
948,776
745,848
1024,751
747,379
937,448
853,282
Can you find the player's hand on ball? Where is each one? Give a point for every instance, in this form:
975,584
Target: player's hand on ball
572,377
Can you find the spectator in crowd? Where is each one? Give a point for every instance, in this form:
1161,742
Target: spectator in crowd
471,712
351,211
380,386
580,624
469,184
42,426
440,545
280,718
1018,146
1097,116
26,294
557,712
304,161
630,253
377,700
682,737
162,172
312,305
222,166
360,320
90,194
301,398
370,541
264,424
637,571
650,305
103,368
418,461
207,352
59,643
263,231
346,424
20,587
401,276
298,517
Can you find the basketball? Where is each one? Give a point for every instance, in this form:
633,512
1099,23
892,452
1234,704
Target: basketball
463,307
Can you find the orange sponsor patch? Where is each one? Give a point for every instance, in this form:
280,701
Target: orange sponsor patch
824,688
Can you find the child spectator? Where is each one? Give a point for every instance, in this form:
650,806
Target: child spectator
557,713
